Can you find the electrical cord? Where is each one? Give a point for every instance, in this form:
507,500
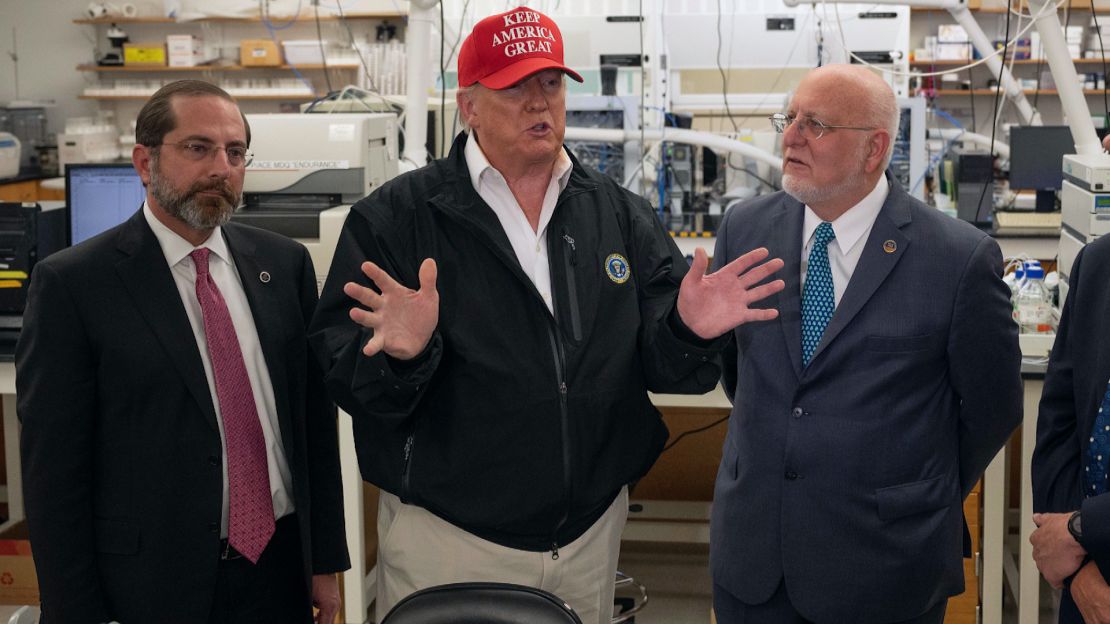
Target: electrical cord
320,42
442,74
692,432
1102,55
998,93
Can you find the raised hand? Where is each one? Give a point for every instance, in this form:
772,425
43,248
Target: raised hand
713,304
402,319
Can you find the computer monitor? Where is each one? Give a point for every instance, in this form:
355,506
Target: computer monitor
1037,161
99,197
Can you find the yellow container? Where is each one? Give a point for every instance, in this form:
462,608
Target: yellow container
144,54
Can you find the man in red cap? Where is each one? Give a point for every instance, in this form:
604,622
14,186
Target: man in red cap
512,311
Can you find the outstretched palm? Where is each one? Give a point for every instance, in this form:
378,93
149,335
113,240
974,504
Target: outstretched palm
713,304
402,319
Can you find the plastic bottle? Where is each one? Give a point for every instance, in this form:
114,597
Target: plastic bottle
1033,304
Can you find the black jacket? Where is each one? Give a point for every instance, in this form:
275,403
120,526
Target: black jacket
515,425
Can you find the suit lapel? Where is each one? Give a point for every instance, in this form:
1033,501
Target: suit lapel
267,308
788,246
882,250
146,276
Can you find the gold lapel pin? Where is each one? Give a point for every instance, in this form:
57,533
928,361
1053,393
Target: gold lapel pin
890,246
264,277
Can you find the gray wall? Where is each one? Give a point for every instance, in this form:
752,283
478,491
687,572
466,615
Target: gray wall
50,46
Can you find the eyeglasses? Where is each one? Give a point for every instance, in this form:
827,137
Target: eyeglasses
237,156
810,127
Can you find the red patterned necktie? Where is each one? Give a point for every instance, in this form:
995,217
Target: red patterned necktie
251,514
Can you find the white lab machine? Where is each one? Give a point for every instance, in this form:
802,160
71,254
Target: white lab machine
308,169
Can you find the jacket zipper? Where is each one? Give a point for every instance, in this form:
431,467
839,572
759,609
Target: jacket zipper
570,261
560,373
408,464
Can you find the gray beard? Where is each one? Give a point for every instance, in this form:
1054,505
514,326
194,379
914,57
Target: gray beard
199,213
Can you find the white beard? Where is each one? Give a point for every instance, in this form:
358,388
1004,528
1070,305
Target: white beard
813,194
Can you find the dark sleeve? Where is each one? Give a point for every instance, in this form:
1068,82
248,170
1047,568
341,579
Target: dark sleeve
984,362
1056,460
57,404
329,536
367,386
730,352
674,360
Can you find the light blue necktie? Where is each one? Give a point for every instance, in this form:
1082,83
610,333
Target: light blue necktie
1098,451
818,296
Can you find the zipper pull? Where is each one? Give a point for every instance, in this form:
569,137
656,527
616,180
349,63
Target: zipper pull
554,551
573,249
408,447
562,387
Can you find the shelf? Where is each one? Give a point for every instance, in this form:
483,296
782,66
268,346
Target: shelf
205,68
1002,10
282,98
991,92
1095,61
306,17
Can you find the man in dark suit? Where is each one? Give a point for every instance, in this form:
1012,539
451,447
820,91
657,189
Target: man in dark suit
867,411
1072,542
180,460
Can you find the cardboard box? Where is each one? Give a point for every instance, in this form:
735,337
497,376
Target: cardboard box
188,51
259,53
144,54
19,584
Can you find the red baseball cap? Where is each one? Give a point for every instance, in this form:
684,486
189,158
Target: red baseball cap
504,49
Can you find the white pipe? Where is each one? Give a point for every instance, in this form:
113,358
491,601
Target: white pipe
1067,81
678,135
986,49
1002,149
418,79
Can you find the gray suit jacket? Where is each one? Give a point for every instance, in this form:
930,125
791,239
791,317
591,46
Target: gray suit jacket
846,477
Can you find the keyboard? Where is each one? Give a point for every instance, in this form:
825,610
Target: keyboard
1016,221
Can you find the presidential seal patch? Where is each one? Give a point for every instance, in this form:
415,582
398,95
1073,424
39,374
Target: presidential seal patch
616,267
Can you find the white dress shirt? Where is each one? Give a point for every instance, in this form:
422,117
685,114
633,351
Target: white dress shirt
530,245
222,268
852,229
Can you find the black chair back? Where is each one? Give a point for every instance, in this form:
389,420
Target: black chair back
481,603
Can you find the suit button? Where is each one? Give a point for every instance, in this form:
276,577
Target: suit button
213,460
791,475
213,527
797,412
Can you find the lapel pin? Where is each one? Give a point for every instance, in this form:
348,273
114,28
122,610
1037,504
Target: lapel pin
264,277
890,246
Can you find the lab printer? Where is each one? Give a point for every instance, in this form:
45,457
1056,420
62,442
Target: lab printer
307,170
1085,207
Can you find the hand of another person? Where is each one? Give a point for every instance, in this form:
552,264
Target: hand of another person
325,597
402,319
713,304
1091,594
1106,142
1056,552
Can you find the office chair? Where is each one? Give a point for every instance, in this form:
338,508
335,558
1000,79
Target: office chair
481,603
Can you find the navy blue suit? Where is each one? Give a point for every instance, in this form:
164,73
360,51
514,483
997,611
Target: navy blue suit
846,477
1074,387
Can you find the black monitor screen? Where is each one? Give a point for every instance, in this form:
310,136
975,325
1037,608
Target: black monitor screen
1037,156
100,197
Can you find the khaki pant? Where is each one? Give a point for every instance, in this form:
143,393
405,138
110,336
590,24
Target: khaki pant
417,550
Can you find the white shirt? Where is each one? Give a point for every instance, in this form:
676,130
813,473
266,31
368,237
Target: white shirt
852,229
222,268
530,245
